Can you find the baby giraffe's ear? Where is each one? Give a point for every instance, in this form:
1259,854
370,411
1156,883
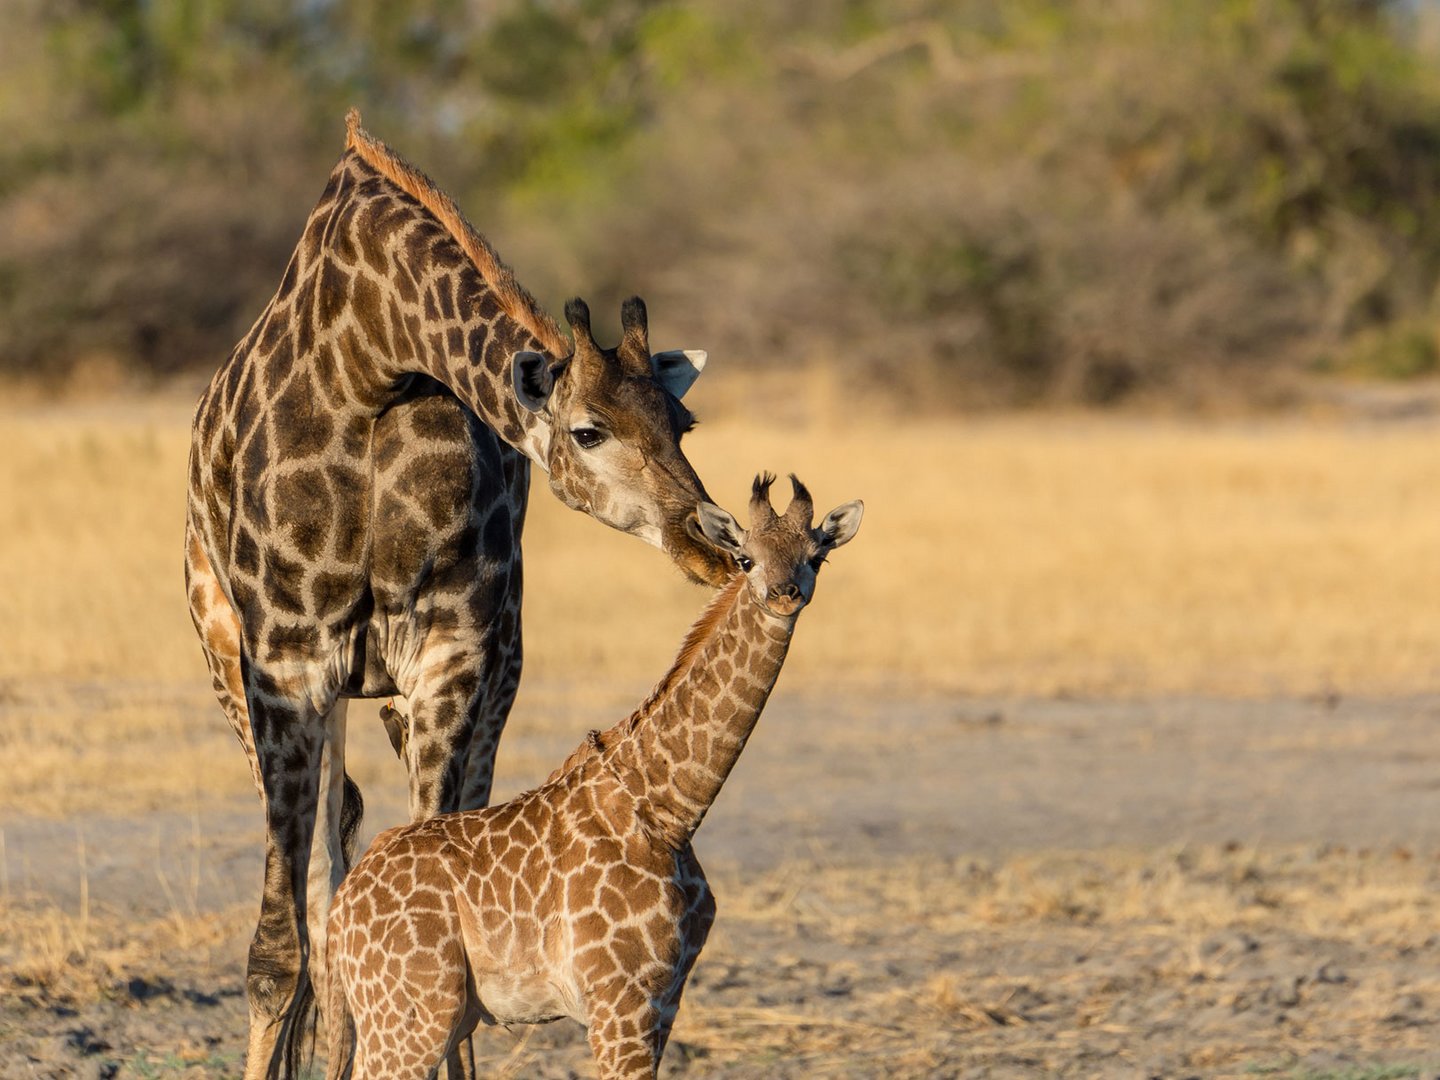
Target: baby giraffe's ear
720,528
841,524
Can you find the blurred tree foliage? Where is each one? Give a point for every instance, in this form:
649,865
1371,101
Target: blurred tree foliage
1088,201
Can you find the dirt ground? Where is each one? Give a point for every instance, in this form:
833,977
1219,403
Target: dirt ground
909,887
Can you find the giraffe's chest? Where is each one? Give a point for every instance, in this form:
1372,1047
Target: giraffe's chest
379,529
447,492
552,913
387,494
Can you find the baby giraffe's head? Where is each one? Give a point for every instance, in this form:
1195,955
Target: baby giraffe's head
781,553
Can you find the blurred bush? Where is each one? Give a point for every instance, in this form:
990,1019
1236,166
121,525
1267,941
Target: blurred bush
959,202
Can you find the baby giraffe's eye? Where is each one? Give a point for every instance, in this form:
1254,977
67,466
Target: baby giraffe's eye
744,563
588,437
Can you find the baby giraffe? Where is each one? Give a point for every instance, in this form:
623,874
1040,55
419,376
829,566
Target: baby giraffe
582,898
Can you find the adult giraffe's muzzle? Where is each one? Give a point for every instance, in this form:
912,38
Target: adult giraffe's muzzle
687,547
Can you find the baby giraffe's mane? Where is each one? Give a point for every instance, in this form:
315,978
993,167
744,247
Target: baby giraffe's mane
699,634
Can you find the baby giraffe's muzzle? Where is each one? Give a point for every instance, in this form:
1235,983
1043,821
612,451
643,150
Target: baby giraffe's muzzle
785,599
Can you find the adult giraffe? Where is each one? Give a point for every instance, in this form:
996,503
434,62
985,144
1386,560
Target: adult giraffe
358,481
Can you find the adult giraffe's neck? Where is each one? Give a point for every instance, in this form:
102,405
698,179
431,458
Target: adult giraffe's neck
679,747
425,292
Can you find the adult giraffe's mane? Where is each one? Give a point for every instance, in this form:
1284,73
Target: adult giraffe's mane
512,297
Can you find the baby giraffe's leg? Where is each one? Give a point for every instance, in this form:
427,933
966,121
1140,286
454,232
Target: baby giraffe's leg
409,1035
624,1029
410,975
695,923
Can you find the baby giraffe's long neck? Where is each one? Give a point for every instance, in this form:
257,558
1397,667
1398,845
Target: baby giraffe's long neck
678,748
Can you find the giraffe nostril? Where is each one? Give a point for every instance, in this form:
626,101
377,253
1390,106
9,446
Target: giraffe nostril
789,591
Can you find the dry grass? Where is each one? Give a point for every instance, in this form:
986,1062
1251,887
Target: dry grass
118,750
1005,556
79,957
1034,556
90,575
1053,964
1016,556
1216,960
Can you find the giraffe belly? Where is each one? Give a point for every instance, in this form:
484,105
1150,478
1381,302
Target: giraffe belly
523,998
520,971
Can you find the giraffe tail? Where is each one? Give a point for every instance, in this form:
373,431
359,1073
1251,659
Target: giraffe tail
297,1038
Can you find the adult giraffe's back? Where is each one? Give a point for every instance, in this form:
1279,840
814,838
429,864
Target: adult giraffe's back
358,479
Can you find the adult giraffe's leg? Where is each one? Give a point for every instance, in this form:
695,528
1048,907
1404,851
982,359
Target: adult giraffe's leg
501,682
289,745
468,673
441,708
341,807
329,859
504,653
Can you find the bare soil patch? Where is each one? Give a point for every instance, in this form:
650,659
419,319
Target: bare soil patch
931,886
1194,830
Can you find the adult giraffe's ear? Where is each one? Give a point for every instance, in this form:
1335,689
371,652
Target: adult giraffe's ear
534,379
841,524
720,528
678,369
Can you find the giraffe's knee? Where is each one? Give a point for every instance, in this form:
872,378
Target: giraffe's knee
275,963
272,978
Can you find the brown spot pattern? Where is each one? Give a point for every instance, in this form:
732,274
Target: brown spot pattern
582,898
357,485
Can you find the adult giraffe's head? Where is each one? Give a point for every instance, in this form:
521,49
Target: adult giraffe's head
616,422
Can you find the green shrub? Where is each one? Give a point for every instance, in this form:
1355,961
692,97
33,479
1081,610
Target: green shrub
1012,203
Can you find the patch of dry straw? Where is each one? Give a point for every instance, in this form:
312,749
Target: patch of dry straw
1020,556
998,556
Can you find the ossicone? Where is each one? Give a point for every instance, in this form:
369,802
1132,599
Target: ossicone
635,346
802,507
761,512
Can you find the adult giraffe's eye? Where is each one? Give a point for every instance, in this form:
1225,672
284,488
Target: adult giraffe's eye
818,561
588,437
744,563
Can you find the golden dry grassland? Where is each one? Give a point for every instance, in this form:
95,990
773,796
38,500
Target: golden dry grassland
1014,556
1227,961
1019,556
